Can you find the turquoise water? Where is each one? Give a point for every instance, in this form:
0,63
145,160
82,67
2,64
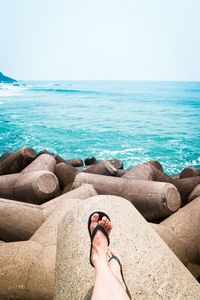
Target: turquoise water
131,121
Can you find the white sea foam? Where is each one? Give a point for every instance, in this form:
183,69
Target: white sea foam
8,90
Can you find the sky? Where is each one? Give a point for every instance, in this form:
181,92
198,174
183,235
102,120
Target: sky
100,39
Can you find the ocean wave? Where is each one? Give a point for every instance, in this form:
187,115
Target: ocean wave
73,91
64,91
8,90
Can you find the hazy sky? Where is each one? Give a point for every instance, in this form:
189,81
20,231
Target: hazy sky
100,39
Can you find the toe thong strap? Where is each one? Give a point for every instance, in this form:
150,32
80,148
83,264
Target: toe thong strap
97,228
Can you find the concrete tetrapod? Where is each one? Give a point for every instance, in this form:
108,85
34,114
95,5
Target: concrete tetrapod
44,162
57,157
16,161
7,182
195,193
154,200
140,172
6,185
76,162
66,174
32,216
103,167
34,187
151,269
189,172
147,171
181,232
28,268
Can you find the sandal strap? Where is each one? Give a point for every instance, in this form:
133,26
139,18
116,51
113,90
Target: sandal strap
121,271
97,228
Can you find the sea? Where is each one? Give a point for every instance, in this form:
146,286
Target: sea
134,121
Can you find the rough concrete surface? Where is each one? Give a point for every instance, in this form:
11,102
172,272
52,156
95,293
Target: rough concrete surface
27,269
151,269
181,232
154,200
20,220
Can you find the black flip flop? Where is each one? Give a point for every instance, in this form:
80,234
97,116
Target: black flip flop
98,227
119,262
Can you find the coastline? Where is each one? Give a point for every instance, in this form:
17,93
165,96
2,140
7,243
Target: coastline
44,197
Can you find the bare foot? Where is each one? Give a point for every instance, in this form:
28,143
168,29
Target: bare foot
100,243
115,267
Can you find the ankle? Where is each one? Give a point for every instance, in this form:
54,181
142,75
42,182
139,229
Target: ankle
99,262
99,256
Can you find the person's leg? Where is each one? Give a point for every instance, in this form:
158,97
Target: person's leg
107,286
115,267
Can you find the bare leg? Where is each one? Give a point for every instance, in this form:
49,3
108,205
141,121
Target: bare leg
107,286
115,267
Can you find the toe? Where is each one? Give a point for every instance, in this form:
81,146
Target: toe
103,222
95,217
109,227
94,221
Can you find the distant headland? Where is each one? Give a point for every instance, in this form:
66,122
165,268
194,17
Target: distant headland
6,79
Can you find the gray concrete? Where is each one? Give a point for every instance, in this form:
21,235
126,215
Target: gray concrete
36,187
16,161
6,185
140,172
76,162
104,167
28,268
20,220
181,232
189,172
151,269
154,200
65,174
195,193
44,162
185,186
11,185
148,171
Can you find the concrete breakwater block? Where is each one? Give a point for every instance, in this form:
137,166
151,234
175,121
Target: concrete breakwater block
154,200
181,232
147,171
195,193
140,172
36,187
91,160
83,192
11,184
104,167
6,185
76,162
26,271
66,174
151,269
19,220
28,268
118,164
185,186
16,161
57,157
189,172
44,162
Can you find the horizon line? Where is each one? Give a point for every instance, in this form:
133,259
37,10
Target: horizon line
148,80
